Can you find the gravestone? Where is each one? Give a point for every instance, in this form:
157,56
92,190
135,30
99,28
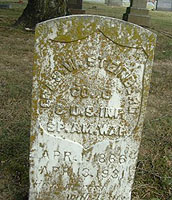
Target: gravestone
165,5
75,6
138,13
90,88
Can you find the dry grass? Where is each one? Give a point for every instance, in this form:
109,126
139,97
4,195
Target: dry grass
154,169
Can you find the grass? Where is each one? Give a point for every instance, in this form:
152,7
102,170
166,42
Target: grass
154,168
16,59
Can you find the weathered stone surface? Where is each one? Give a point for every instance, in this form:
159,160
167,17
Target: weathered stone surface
75,7
139,3
137,13
164,5
75,4
90,87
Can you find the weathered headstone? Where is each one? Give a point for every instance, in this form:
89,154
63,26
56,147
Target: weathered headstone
165,5
138,13
75,6
90,87
124,3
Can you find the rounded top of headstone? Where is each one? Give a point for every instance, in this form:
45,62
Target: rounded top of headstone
91,17
77,27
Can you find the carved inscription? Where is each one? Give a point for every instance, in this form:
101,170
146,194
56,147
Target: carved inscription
89,111
104,130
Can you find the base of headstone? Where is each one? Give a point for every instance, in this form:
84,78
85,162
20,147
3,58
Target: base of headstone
77,11
5,6
138,16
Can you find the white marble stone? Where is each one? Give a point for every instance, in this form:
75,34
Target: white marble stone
90,87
